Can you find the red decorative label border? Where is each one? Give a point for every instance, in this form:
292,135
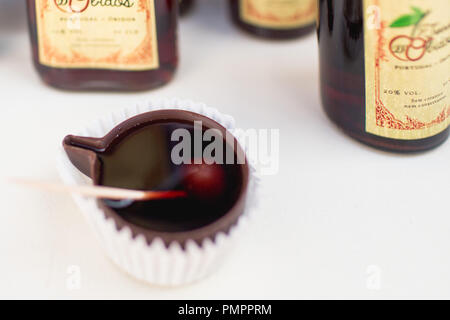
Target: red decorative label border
385,118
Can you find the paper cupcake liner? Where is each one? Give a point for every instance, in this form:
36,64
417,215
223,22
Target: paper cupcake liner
155,263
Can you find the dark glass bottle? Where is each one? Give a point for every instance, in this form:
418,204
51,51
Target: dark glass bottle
375,84
98,45
275,19
185,6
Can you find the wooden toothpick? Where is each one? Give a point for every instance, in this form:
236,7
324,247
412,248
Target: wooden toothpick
99,191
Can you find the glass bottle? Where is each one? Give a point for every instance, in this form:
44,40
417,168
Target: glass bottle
127,45
384,68
185,6
275,19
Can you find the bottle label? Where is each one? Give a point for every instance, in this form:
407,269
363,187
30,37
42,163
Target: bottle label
407,54
278,14
97,34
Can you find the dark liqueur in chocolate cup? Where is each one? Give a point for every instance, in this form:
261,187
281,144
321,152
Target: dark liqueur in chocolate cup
137,154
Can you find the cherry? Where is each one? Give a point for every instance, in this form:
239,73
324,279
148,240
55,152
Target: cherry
204,181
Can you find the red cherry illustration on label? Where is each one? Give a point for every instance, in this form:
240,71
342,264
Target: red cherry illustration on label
415,48
61,5
417,44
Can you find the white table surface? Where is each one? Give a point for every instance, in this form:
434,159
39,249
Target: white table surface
339,220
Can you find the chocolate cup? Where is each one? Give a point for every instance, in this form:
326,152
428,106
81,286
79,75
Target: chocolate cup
82,152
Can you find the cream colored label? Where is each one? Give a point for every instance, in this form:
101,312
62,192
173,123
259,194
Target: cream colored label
407,52
278,14
100,34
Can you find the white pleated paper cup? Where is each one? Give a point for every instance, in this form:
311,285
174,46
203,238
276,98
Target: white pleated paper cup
157,262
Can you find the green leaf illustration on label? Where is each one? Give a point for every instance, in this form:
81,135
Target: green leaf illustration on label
408,20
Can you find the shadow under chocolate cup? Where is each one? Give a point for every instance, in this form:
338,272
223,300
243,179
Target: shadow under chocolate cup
172,221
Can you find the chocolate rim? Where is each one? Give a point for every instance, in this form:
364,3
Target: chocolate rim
82,153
